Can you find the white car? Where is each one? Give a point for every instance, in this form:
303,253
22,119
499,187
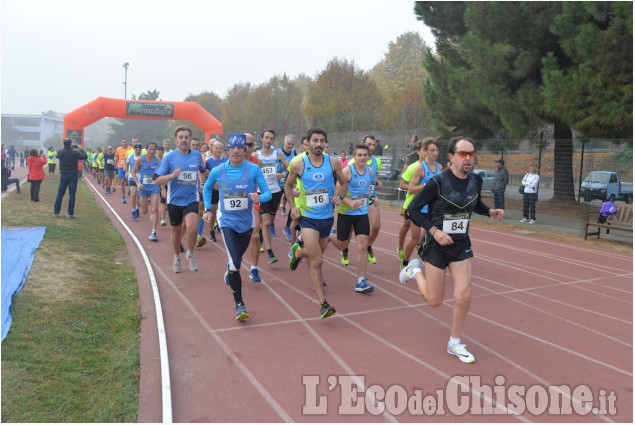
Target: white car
487,176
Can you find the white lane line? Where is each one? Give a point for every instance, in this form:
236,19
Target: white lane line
166,391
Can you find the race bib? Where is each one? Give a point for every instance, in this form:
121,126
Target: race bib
371,188
269,171
455,223
362,198
187,178
110,161
235,201
317,198
147,180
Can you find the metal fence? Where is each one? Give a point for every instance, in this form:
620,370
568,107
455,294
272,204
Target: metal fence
578,159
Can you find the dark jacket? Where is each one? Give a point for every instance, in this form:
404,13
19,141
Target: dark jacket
68,158
6,173
501,180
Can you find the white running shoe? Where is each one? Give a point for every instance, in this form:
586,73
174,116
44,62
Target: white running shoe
193,263
176,267
409,272
532,221
460,351
524,220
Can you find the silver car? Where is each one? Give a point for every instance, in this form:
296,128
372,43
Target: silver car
487,176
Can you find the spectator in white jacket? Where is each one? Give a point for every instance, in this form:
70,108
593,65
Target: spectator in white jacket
530,196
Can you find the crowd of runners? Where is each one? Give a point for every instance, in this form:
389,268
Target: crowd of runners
236,191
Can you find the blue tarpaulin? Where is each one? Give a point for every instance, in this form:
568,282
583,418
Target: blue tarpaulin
18,251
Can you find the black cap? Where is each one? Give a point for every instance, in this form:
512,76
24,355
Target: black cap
138,146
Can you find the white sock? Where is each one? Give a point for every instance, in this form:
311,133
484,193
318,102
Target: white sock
360,279
189,253
454,341
254,268
177,257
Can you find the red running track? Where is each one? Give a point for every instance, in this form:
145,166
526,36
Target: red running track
543,314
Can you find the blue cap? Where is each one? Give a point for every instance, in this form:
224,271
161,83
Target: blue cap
237,140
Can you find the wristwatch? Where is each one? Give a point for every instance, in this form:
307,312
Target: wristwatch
208,210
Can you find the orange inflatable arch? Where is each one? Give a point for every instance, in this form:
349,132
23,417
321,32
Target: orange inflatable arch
102,107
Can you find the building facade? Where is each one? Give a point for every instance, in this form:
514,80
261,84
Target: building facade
30,130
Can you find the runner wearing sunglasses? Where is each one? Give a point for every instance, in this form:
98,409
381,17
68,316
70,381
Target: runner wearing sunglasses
451,197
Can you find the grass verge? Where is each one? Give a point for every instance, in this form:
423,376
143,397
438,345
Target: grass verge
72,353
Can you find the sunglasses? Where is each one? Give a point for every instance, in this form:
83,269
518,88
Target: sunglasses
249,144
463,154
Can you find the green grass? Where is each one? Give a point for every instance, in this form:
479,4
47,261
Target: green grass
72,353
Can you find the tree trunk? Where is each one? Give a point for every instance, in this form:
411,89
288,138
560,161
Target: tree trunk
563,189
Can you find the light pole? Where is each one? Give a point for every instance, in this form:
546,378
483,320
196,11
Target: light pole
125,91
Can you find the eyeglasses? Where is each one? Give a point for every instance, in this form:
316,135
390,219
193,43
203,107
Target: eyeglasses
463,154
249,144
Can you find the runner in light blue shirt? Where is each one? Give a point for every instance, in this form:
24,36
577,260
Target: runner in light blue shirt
180,170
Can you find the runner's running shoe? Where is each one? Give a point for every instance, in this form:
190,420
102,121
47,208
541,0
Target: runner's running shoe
344,260
200,241
326,310
294,261
153,237
371,257
176,267
364,287
254,276
460,351
241,312
400,255
193,263
409,272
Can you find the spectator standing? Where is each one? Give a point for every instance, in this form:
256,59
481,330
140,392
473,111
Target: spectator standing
52,159
68,158
36,163
501,179
11,154
530,195
412,144
23,156
343,159
379,149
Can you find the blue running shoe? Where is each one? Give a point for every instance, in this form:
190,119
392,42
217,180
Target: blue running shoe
241,312
364,287
254,276
123,200
287,232
272,230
